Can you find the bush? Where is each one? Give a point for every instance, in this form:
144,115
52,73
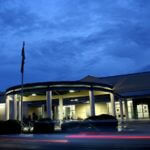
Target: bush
68,126
45,125
102,117
2,127
10,127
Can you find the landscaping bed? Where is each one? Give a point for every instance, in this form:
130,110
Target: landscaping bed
10,127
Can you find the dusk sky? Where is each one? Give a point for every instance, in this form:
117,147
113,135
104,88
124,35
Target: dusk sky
70,39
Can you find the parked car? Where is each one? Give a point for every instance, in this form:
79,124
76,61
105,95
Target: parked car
102,122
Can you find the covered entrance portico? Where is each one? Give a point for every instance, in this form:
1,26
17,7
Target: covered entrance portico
61,100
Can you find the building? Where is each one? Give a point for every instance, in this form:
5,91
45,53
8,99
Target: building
123,96
2,106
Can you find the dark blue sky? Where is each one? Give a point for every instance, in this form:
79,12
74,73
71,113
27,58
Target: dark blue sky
69,39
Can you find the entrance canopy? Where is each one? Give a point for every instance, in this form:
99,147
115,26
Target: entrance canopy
78,96
59,86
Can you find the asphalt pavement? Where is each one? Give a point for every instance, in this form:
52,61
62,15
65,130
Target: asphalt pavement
133,135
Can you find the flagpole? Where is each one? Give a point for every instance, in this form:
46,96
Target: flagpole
22,83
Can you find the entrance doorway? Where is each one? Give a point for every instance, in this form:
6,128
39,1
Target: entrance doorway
142,111
69,112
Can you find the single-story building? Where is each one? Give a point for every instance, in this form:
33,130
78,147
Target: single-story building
124,96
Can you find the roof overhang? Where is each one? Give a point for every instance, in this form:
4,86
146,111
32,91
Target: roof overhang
62,85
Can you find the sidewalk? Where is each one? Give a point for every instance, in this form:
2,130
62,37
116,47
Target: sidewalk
135,126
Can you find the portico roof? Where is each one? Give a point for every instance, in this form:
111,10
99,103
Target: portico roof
59,85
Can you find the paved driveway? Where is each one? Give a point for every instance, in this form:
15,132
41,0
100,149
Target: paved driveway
135,136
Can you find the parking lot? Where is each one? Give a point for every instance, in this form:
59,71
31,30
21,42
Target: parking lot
132,135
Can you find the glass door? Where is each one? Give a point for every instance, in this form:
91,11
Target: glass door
143,111
69,112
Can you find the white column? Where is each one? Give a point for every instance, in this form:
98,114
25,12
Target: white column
20,109
126,109
92,103
55,112
121,109
112,101
49,104
60,115
14,98
7,108
43,111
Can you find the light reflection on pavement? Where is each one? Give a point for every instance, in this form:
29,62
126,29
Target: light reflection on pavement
137,138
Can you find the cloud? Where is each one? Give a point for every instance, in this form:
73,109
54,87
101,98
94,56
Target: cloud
66,40
18,21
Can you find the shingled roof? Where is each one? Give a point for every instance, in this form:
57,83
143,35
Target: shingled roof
126,85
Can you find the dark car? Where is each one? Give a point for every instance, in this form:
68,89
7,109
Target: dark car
102,122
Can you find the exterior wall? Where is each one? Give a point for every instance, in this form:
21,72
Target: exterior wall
82,111
101,108
36,110
25,110
2,111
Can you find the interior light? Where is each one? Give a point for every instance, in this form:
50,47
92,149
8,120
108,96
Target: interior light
74,100
71,91
33,94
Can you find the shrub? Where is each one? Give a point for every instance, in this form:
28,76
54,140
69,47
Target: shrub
101,117
45,125
68,126
2,127
10,127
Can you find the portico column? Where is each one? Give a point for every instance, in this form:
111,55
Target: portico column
60,112
92,103
126,108
14,107
7,108
20,108
121,109
49,104
43,111
112,101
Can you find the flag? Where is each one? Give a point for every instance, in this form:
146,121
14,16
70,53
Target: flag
23,58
